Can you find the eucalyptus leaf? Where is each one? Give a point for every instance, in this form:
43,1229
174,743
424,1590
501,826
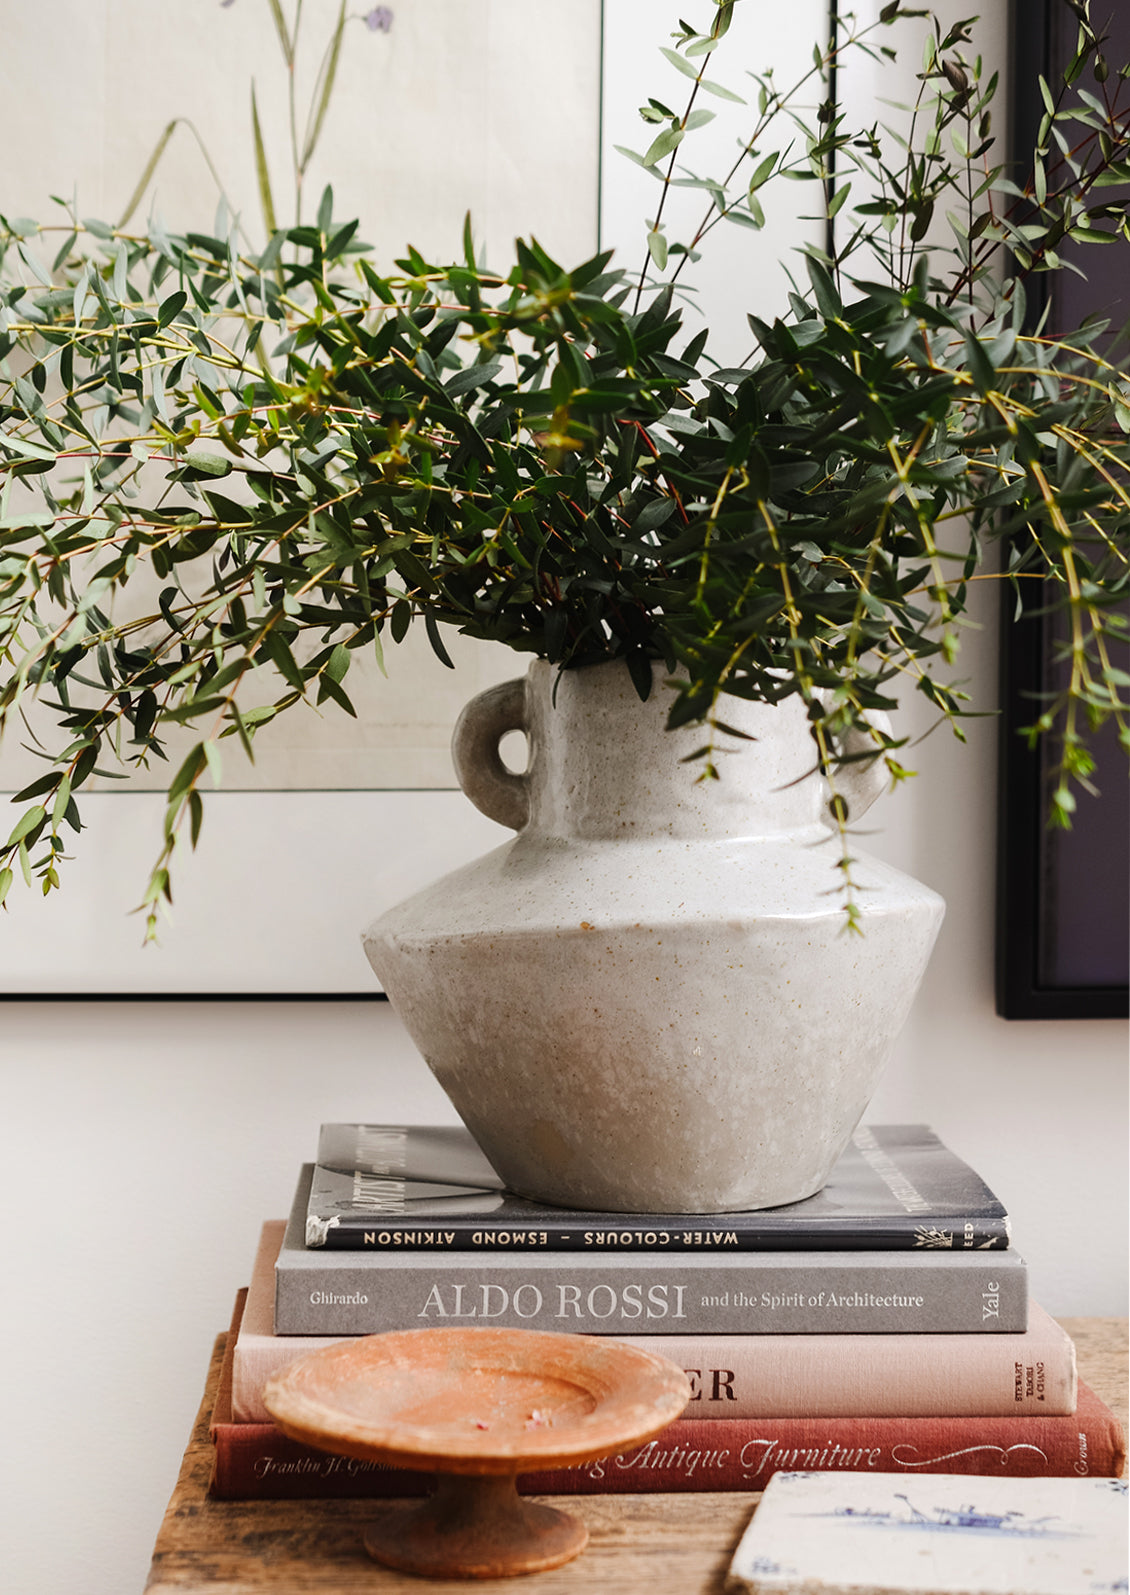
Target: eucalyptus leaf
143,181
679,62
664,143
323,92
266,198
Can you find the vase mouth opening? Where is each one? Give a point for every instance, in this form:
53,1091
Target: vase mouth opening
617,667
613,678
611,666
604,763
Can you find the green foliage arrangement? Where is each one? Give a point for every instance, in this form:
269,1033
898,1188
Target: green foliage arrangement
310,455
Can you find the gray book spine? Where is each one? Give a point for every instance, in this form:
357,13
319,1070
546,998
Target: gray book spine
773,1293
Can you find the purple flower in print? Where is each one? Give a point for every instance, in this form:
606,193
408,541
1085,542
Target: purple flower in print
379,19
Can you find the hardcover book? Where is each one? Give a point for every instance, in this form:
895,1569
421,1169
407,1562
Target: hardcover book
854,1534
413,1187
253,1461
739,1376
653,1293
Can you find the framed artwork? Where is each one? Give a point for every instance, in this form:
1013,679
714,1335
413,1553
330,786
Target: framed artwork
337,818
1063,897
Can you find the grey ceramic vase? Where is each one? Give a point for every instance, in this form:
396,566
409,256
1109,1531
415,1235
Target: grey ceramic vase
647,1001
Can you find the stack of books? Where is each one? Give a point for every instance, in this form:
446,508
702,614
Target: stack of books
883,1325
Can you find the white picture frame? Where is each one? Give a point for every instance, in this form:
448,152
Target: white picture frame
303,849
336,819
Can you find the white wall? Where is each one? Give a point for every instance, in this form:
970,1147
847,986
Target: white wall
144,1143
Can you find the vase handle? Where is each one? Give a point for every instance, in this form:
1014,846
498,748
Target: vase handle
864,779
496,791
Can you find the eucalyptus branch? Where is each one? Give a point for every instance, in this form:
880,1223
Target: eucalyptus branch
309,456
776,102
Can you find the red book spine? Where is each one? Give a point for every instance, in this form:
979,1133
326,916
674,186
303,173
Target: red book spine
254,1461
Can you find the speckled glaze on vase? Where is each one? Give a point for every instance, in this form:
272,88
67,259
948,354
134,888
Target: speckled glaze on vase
646,1001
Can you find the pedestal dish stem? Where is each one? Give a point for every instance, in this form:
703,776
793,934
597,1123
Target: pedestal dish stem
475,1527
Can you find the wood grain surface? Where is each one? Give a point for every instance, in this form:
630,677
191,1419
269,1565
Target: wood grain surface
639,1544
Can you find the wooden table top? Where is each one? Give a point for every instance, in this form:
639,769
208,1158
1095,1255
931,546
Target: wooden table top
639,1544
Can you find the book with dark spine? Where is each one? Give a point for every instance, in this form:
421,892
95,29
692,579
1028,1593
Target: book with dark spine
653,1293
740,1376
417,1187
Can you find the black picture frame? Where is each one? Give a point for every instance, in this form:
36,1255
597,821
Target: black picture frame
1063,897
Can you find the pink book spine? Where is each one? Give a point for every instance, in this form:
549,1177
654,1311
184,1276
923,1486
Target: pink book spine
780,1376
253,1461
